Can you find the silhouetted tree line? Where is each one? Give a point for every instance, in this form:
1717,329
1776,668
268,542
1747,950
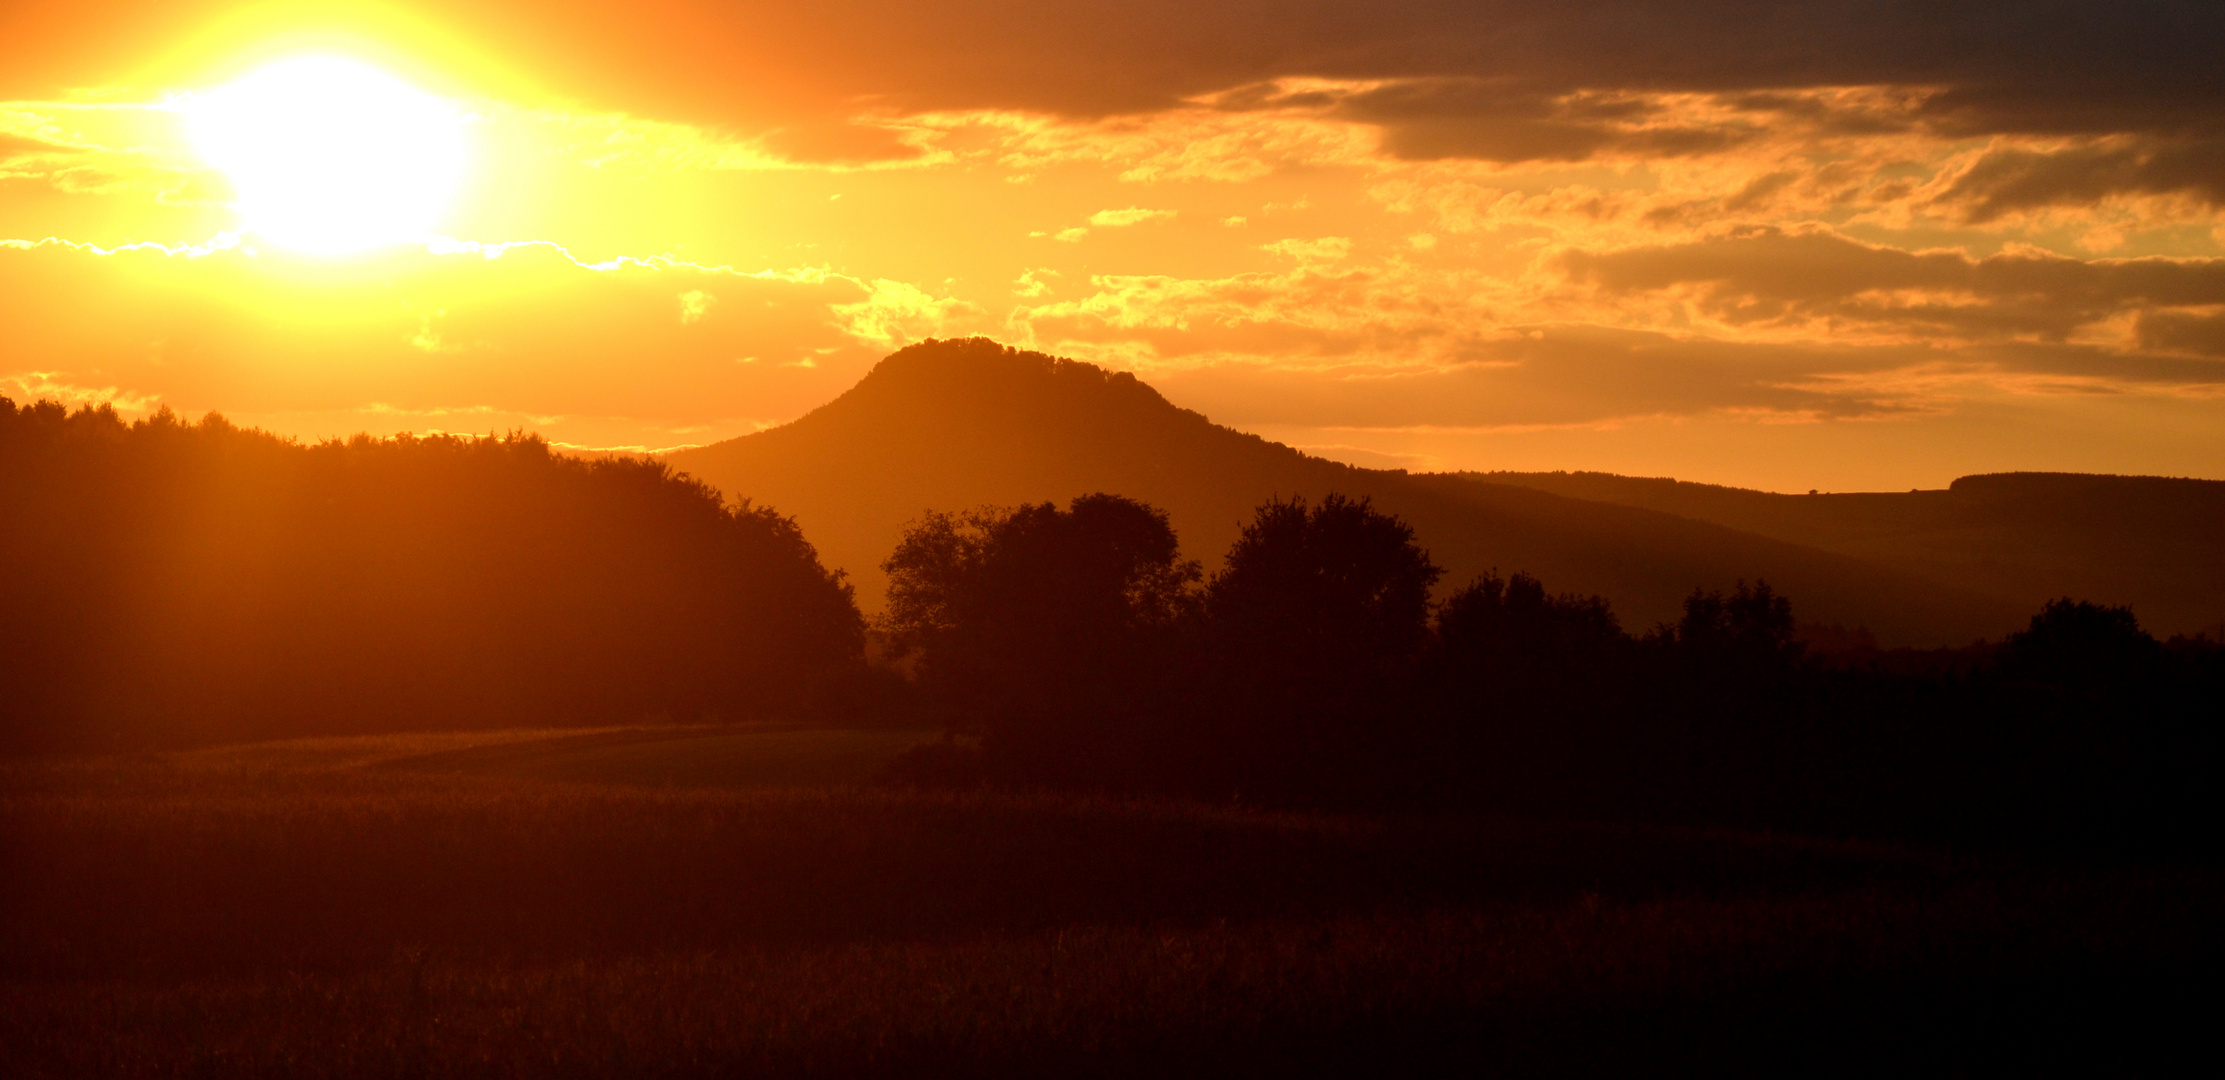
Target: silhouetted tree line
164,581
1079,650
168,582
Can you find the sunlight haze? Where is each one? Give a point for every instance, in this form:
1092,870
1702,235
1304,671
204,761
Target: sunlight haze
560,539
331,155
1806,254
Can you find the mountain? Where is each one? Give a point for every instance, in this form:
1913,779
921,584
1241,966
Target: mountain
2155,543
952,424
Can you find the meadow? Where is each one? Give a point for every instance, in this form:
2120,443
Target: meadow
698,901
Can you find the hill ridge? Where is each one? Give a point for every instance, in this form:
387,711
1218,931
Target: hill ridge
944,425
2025,537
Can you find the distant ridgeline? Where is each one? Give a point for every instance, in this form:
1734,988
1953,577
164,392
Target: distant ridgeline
169,582
2150,542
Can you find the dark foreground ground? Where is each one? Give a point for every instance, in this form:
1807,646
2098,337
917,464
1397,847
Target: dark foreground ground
655,903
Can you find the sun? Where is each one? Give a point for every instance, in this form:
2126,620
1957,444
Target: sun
332,156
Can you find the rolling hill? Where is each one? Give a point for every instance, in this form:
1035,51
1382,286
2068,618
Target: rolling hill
953,424
2154,543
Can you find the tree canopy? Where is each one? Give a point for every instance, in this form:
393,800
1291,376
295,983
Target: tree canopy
1335,584
1038,626
192,581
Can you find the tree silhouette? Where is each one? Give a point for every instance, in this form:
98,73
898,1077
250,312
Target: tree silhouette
1752,623
173,582
1519,684
2074,644
1331,588
1513,625
1037,627
1317,620
194,581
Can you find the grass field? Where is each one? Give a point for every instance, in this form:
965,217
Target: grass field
681,757
720,902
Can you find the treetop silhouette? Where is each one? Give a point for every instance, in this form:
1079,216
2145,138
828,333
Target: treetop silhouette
196,581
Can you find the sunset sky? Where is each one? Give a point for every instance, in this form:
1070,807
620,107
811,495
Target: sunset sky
1781,245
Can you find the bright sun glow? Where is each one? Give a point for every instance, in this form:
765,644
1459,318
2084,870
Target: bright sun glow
332,156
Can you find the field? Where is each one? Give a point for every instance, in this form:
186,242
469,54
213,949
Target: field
718,902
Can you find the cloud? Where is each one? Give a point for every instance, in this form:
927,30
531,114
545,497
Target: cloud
1821,283
2202,334
897,313
1326,249
1113,219
1429,119
507,334
26,386
1359,344
1196,140
15,147
1755,323
1030,283
2013,179
1315,309
103,150
797,76
1564,375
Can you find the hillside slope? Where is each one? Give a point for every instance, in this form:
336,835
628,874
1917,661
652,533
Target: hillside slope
948,425
2155,543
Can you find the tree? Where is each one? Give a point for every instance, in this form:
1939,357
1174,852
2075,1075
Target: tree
1525,690
1316,622
199,581
1753,624
1512,624
1036,627
1337,587
2083,645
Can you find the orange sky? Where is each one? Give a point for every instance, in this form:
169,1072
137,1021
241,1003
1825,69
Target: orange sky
1779,245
